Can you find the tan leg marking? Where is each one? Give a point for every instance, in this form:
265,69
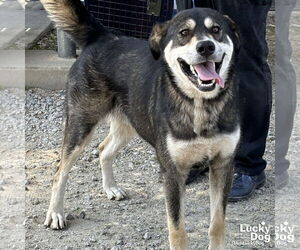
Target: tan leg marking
120,134
174,185
218,180
103,144
177,234
55,215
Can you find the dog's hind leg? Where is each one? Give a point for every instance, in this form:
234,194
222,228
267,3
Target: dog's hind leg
220,175
119,135
78,131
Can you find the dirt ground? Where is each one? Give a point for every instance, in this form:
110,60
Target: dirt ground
94,222
136,223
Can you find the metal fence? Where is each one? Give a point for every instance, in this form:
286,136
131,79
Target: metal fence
132,17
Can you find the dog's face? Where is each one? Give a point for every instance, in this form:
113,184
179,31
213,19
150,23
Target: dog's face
199,45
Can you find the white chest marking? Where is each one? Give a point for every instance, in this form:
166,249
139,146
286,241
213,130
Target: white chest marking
187,153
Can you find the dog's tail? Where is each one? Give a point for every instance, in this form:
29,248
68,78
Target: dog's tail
72,17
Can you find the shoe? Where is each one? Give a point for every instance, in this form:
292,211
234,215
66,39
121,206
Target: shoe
281,180
243,186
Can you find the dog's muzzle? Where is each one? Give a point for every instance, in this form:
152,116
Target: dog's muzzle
204,75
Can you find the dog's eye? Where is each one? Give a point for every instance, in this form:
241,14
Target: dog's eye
215,29
184,32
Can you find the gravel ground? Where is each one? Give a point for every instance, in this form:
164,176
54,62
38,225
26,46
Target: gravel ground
97,223
12,174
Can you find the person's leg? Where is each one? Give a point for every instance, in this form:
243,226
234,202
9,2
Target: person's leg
285,97
204,3
253,80
184,4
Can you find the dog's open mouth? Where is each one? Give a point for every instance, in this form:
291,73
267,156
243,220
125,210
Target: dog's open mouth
204,75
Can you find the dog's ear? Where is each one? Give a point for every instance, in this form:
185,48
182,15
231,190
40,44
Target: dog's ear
232,24
234,28
158,32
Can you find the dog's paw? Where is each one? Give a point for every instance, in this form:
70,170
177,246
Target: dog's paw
115,193
55,220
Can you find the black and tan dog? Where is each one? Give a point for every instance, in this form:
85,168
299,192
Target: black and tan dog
178,95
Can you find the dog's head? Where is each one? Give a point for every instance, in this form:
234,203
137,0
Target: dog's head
199,46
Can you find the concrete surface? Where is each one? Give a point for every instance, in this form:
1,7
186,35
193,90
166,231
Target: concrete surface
12,68
21,29
37,23
44,69
12,22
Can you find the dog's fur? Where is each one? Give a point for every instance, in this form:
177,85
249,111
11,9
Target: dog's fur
148,92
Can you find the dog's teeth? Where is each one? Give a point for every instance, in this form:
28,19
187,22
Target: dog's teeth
193,70
205,85
213,81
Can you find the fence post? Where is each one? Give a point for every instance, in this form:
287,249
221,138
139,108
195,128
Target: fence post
65,46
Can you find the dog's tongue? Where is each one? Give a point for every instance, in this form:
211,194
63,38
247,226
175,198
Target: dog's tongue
206,71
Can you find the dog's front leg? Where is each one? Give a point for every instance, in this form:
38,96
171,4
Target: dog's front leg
220,175
174,187
174,191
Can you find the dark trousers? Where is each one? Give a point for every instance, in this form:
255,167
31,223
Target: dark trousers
285,79
253,78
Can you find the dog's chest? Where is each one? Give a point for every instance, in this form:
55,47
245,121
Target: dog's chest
188,152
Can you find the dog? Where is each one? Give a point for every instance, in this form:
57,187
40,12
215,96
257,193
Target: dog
176,91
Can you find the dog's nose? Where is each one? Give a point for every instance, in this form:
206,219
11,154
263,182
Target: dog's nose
206,48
